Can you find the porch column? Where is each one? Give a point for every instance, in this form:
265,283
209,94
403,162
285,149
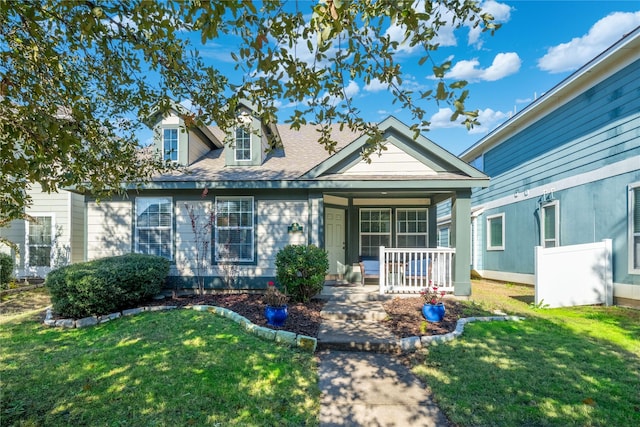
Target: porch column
433,226
315,224
461,240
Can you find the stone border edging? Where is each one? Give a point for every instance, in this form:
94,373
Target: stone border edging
303,342
413,343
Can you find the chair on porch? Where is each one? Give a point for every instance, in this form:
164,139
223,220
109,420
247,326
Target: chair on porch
369,268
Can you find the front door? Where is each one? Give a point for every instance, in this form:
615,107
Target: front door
334,238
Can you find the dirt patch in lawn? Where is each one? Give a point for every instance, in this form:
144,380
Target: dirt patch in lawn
22,302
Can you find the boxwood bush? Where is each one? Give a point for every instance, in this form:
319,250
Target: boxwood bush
301,270
6,270
106,285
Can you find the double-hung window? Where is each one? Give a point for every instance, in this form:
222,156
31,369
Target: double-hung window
40,241
550,225
243,144
411,228
234,229
375,230
634,228
170,144
495,232
154,226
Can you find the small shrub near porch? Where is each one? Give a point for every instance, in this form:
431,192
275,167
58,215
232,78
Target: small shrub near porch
106,285
301,269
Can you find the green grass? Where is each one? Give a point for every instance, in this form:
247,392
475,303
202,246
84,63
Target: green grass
172,368
559,367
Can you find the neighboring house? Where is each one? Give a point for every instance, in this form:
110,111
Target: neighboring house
564,171
260,201
53,237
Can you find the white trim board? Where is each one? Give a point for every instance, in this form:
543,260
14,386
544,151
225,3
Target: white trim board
625,166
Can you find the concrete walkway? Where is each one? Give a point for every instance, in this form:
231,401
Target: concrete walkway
362,383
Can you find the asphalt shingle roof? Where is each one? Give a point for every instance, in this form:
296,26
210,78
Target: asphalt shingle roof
300,153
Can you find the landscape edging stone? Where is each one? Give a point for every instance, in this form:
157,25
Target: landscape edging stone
302,342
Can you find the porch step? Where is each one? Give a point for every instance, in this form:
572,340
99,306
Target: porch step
353,335
349,310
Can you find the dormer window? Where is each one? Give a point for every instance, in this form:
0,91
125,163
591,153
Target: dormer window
243,144
170,144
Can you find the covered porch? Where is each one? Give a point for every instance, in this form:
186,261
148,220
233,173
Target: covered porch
393,200
391,239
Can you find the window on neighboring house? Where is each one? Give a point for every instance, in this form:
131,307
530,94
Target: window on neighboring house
495,232
443,237
411,228
243,144
234,229
550,229
170,144
40,241
154,225
375,230
634,228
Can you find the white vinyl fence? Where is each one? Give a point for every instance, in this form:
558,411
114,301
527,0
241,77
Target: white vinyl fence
574,275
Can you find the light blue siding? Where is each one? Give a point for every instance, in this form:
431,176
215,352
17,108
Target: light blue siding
596,121
588,213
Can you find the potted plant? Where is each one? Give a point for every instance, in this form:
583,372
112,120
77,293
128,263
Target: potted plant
433,307
276,309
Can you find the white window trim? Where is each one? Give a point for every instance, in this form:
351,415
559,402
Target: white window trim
556,205
235,150
630,233
425,234
495,248
253,231
164,151
170,227
26,239
374,233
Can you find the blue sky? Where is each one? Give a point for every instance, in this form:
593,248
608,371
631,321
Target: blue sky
540,43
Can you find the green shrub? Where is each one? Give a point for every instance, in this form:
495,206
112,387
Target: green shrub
106,285
301,270
6,270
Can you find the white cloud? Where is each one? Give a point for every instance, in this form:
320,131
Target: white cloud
445,36
375,85
352,89
580,50
504,64
488,119
501,13
442,119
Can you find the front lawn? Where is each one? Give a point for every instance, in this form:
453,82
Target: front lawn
179,367
559,367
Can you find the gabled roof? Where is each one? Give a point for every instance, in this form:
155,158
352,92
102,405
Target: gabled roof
412,164
621,54
300,152
203,132
419,157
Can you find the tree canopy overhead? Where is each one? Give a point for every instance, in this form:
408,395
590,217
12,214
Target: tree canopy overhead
78,79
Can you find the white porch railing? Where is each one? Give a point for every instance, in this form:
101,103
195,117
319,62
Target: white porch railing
404,270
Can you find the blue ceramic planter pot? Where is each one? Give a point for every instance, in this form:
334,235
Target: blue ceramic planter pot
433,312
276,316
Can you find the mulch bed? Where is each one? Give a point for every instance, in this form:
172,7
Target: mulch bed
303,319
406,319
405,315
